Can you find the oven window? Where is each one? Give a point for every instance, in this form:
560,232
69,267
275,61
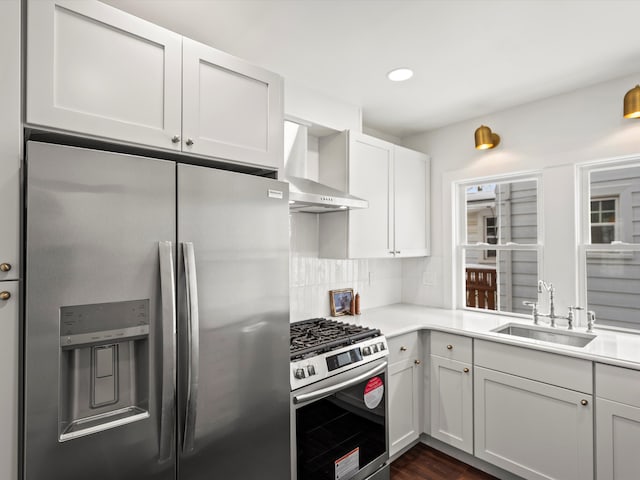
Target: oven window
340,433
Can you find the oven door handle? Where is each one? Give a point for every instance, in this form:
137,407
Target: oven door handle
310,397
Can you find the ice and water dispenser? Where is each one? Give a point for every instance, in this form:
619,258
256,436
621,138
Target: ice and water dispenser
104,366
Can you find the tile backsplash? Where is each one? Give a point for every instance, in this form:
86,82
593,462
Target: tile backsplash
378,281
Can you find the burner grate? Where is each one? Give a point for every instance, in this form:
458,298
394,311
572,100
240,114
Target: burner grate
320,335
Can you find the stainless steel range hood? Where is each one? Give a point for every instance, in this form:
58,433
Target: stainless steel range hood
306,195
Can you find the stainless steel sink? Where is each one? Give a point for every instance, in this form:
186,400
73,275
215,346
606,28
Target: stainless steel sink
552,335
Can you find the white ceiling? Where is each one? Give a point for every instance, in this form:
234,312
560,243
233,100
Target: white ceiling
470,57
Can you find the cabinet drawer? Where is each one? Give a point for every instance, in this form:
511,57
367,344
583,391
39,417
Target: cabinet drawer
403,347
453,347
618,384
567,372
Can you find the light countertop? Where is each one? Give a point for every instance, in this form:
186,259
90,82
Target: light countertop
614,348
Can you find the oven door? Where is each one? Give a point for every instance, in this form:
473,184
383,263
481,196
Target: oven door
340,426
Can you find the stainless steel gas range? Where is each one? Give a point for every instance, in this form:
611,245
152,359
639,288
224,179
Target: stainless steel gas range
339,408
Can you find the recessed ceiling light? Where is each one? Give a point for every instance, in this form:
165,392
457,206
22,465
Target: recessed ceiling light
400,74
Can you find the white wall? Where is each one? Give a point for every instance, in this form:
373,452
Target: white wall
549,136
306,104
379,281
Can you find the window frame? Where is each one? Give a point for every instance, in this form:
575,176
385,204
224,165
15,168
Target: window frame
618,249
460,235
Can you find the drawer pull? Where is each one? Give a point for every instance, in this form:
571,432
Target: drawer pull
403,348
417,362
5,267
5,296
465,370
584,402
449,347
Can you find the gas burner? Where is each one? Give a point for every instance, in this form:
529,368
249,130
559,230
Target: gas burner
320,335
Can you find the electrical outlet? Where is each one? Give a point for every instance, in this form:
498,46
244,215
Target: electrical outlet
427,278
371,278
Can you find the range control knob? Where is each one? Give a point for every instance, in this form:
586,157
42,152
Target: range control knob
366,351
381,346
311,370
374,348
299,373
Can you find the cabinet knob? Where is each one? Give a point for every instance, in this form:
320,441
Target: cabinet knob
5,296
584,402
175,139
5,267
189,142
403,348
417,362
465,370
449,347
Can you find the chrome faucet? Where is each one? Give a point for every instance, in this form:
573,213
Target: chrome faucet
542,286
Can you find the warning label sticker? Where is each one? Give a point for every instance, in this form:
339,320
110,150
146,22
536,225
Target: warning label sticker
373,392
348,465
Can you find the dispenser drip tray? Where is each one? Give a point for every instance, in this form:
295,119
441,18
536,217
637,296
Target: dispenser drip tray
103,421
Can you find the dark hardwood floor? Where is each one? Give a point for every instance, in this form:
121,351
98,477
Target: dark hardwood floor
425,463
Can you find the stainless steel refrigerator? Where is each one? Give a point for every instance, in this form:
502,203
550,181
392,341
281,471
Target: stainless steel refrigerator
156,320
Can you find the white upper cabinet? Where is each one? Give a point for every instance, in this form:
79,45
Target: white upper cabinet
10,140
231,109
395,182
98,71
411,209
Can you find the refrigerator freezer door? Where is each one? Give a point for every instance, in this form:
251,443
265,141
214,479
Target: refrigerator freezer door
238,226
95,227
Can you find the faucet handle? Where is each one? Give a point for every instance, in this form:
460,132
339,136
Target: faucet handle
570,317
591,320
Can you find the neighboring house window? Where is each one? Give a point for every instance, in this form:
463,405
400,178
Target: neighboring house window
603,220
610,243
498,246
490,235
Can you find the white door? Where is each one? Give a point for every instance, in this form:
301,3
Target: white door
231,109
9,373
411,187
404,423
533,429
96,70
370,177
452,403
617,440
10,140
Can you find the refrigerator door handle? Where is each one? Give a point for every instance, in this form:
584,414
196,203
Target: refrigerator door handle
167,294
193,326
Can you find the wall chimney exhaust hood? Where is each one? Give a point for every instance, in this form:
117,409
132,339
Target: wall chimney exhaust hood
306,195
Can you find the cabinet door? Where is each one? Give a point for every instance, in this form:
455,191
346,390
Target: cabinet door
10,139
370,177
96,70
231,109
411,192
452,402
533,429
617,440
404,420
9,368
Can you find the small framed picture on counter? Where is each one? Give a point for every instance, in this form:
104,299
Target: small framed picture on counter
341,301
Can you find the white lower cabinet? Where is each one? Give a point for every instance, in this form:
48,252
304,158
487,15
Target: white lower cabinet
404,422
533,429
9,369
404,391
452,402
617,423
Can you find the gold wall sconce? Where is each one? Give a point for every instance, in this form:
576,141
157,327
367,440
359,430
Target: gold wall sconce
485,138
632,103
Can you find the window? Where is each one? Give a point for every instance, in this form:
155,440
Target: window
498,248
610,245
603,220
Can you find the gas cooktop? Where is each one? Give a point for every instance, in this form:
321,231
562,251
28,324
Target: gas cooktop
322,347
